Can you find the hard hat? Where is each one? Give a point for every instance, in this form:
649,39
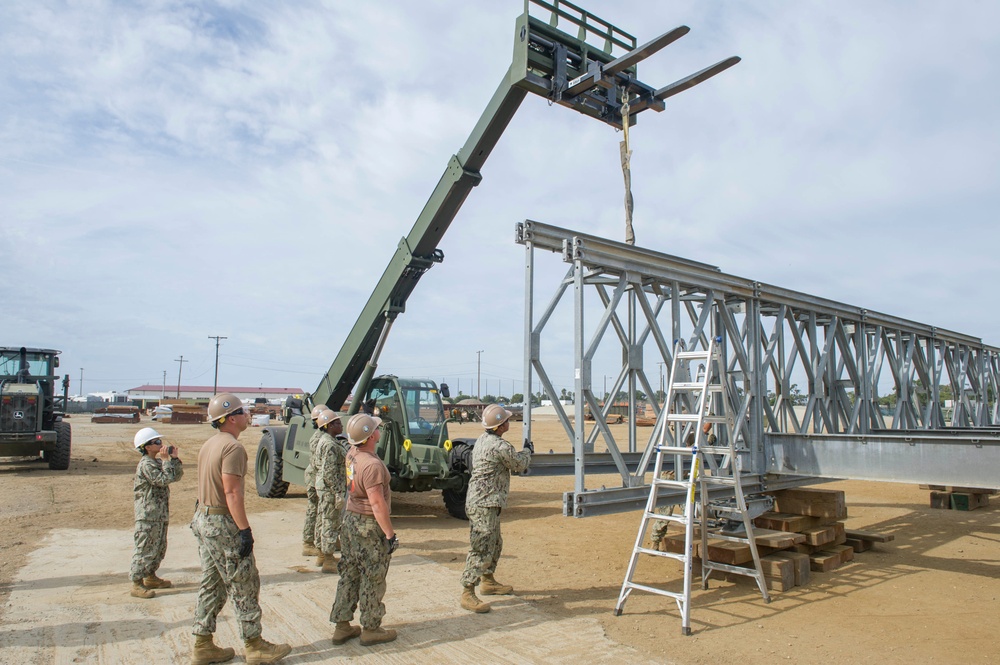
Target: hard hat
318,409
360,428
495,415
325,418
222,405
144,436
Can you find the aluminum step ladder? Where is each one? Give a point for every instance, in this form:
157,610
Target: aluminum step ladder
704,471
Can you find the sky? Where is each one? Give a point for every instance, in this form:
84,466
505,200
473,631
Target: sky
171,171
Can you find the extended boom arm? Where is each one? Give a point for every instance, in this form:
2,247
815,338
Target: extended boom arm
548,62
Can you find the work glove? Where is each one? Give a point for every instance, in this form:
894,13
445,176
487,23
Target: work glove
246,542
529,446
392,543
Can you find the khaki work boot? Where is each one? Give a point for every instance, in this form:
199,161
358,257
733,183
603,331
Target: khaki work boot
490,587
330,564
260,651
205,651
308,549
376,636
154,582
344,632
471,602
140,591
320,559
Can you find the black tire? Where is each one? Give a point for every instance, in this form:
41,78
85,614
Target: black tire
268,469
460,463
454,501
58,458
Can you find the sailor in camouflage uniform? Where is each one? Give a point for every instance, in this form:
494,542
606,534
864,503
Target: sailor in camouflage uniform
367,538
225,541
493,460
158,467
331,486
309,528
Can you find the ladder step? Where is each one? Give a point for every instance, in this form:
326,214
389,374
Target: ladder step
712,388
683,417
691,355
715,450
651,589
729,568
672,483
674,450
731,539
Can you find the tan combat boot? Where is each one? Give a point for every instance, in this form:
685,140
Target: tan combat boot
471,602
330,564
376,636
205,651
154,582
344,632
140,591
260,651
320,559
309,549
490,587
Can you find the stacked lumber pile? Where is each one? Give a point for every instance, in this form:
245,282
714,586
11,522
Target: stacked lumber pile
188,413
116,413
803,534
958,498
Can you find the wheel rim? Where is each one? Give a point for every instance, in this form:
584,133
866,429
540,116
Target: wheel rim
263,466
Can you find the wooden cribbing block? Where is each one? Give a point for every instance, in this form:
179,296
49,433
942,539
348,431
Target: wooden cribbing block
812,502
773,582
839,533
823,561
778,540
962,490
785,522
959,500
718,550
800,565
846,553
820,535
870,536
859,545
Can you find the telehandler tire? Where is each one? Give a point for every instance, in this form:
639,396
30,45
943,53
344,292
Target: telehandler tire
58,458
268,468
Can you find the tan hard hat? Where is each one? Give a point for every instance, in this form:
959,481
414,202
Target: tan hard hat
222,405
318,409
360,428
495,415
325,418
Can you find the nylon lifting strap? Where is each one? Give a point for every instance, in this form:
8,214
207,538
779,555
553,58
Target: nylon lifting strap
626,156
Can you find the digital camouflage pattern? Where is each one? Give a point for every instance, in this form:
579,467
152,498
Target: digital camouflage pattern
364,562
331,488
152,513
485,544
224,573
151,487
493,460
309,528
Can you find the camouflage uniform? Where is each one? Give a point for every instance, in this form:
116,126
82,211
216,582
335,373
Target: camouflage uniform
331,486
493,460
364,563
223,570
309,528
152,513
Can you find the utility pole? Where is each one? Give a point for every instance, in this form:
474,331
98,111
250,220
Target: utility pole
163,391
479,364
215,386
81,383
605,387
179,368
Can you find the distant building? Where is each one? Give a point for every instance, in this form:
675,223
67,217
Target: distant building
151,394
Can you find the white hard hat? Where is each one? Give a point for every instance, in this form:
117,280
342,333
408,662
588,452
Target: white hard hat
144,436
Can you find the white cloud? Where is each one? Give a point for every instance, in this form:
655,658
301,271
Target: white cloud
852,154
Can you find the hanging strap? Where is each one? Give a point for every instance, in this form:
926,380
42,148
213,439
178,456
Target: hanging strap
626,156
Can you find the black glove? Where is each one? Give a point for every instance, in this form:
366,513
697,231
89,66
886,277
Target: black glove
392,543
246,542
528,445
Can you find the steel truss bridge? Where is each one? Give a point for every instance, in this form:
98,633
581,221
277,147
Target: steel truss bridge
770,335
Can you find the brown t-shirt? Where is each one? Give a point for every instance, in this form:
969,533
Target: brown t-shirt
365,473
220,454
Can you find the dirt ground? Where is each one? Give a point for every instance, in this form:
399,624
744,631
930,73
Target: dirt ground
65,542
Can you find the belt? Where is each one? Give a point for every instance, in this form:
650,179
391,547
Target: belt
213,510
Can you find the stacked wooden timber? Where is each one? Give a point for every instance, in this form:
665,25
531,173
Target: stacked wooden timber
116,413
959,498
188,413
803,534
